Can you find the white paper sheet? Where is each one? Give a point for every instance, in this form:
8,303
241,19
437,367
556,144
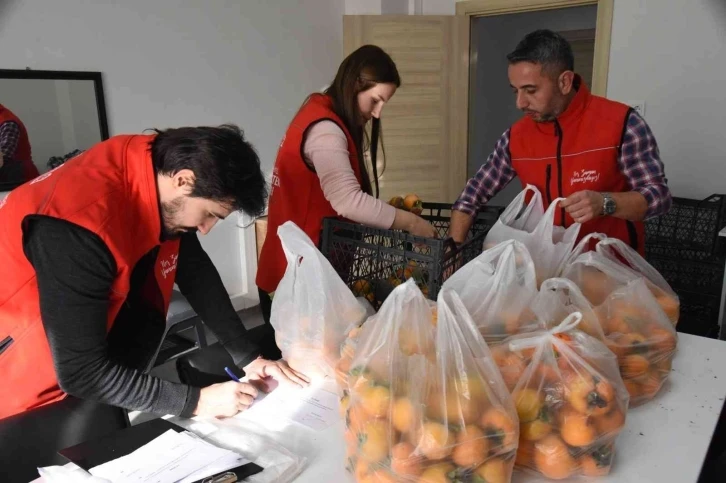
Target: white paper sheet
315,406
170,458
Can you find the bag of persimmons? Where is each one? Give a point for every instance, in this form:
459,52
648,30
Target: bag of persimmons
347,348
624,256
497,288
426,402
570,399
636,328
559,297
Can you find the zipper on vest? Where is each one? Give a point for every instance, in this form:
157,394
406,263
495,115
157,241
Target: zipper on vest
558,133
548,180
5,343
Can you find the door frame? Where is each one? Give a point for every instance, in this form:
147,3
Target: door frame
603,26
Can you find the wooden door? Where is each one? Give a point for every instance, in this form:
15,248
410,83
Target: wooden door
425,123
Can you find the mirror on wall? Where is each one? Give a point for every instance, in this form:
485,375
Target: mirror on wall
47,117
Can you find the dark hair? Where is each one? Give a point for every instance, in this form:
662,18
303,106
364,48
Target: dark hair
367,66
546,48
226,167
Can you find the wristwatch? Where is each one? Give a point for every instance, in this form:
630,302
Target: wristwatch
608,204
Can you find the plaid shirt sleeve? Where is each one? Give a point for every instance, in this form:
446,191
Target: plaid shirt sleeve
640,162
9,135
493,175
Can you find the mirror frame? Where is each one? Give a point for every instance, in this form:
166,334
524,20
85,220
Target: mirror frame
62,75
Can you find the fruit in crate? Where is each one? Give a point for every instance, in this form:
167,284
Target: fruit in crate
396,202
410,202
361,287
413,204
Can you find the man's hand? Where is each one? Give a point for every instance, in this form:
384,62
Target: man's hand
225,399
583,206
260,369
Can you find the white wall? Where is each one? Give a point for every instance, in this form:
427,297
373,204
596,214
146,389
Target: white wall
672,55
363,7
400,7
185,62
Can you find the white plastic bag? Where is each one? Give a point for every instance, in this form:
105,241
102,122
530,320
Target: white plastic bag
548,245
560,297
636,328
427,402
570,399
496,288
313,310
623,255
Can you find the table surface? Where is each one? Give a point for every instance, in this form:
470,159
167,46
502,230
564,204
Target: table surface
664,440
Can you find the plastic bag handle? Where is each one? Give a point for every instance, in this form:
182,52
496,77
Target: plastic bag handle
567,324
582,247
546,224
637,262
518,203
559,284
296,244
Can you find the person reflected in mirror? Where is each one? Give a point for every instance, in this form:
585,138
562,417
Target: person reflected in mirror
17,161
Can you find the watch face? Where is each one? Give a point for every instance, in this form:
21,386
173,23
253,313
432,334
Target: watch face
609,207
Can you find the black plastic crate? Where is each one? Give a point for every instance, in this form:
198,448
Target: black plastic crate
694,276
689,230
699,313
372,262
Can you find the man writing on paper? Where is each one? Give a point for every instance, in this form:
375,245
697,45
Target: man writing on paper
90,252
598,154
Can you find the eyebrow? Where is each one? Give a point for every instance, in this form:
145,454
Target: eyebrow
528,86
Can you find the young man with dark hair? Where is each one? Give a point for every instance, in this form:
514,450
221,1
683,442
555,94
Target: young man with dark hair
90,252
598,154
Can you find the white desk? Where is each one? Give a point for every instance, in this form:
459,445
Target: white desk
665,440
721,312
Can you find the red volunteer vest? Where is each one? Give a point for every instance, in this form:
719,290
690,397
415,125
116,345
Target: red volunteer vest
296,194
111,191
578,151
22,151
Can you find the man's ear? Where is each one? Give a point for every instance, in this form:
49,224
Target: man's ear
183,181
566,82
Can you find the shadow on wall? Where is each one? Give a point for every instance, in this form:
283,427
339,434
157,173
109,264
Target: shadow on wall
6,7
718,8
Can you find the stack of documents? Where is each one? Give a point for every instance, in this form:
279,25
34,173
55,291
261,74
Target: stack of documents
171,458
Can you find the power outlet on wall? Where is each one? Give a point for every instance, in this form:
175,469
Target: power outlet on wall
639,106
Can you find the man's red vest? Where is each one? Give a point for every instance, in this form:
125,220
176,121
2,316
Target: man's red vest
22,151
578,151
109,190
296,194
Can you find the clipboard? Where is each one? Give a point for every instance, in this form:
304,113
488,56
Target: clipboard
90,454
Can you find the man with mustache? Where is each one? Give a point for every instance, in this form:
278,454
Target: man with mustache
598,154
90,252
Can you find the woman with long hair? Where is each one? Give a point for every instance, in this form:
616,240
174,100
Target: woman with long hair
321,170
